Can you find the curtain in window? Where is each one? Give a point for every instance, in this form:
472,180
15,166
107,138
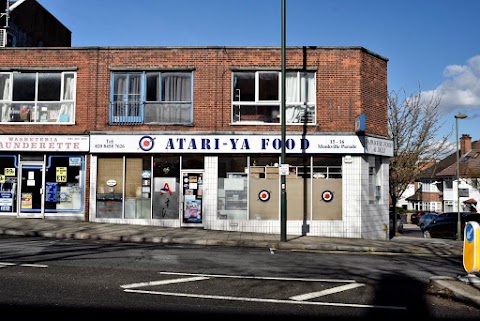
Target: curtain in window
176,88
134,95
308,88
120,89
66,109
299,90
292,87
5,96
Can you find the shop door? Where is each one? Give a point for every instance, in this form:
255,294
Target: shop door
192,198
30,200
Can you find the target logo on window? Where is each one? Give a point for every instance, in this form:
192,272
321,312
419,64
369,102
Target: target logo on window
146,143
327,196
264,195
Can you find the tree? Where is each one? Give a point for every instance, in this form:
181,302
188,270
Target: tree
413,124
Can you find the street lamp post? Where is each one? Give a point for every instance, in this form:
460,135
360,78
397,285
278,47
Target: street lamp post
459,223
283,182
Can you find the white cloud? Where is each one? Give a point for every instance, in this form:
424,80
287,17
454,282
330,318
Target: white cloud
461,87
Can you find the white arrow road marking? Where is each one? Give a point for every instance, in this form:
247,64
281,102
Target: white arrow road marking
313,295
163,282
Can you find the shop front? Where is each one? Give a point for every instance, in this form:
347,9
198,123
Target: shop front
43,176
232,182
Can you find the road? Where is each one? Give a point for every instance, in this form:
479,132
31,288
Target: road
85,280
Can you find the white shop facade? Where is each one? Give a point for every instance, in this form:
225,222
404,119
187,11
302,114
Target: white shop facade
337,185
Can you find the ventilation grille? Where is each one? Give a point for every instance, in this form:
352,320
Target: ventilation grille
3,38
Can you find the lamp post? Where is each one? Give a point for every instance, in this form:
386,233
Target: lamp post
283,182
459,223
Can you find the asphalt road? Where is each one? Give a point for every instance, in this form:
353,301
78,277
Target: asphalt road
75,279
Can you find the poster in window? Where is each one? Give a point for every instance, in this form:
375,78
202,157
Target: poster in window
193,211
27,200
6,202
51,192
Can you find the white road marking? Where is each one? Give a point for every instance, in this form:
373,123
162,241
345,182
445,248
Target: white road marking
231,298
299,299
313,295
5,264
35,265
260,278
163,282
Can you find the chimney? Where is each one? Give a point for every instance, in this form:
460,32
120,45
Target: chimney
465,144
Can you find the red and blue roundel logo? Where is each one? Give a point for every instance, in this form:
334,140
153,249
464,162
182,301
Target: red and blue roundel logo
327,196
264,195
146,143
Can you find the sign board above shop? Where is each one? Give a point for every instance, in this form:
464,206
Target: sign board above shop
44,143
226,144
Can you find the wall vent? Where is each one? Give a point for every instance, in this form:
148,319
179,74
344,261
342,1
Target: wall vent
3,37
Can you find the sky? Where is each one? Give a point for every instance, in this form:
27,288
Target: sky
432,46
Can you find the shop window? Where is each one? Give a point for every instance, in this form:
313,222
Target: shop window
37,97
64,183
263,187
232,188
375,179
109,187
8,184
193,162
138,186
166,187
256,97
151,98
327,167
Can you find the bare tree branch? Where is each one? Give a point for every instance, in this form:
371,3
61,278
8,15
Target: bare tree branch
413,124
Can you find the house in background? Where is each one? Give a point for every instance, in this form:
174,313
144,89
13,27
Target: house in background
469,172
437,185
26,23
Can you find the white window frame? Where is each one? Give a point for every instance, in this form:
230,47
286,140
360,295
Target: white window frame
66,107
288,104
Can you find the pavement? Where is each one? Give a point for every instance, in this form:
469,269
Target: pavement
410,242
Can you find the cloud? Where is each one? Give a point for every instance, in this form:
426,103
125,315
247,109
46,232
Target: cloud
461,88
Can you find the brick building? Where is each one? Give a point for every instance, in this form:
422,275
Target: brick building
26,23
190,137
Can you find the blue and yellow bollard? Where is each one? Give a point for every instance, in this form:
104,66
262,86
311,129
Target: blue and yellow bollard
471,248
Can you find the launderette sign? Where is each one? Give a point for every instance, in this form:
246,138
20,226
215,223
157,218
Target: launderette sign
198,143
51,143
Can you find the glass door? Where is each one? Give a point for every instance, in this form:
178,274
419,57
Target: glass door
192,195
30,200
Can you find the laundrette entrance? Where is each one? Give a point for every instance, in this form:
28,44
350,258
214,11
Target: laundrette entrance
31,203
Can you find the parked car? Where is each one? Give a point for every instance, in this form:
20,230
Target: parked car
415,217
426,218
445,225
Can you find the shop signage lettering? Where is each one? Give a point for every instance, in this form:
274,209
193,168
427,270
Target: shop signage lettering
44,143
378,146
350,144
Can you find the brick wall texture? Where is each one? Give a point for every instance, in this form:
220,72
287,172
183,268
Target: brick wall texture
350,81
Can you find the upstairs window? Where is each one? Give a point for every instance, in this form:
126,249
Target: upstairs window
151,98
37,97
256,97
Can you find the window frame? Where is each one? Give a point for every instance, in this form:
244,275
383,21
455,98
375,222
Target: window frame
162,104
274,104
40,112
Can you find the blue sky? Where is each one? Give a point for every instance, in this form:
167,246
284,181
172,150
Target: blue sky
432,45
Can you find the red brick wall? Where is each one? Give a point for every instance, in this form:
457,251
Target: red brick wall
350,81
